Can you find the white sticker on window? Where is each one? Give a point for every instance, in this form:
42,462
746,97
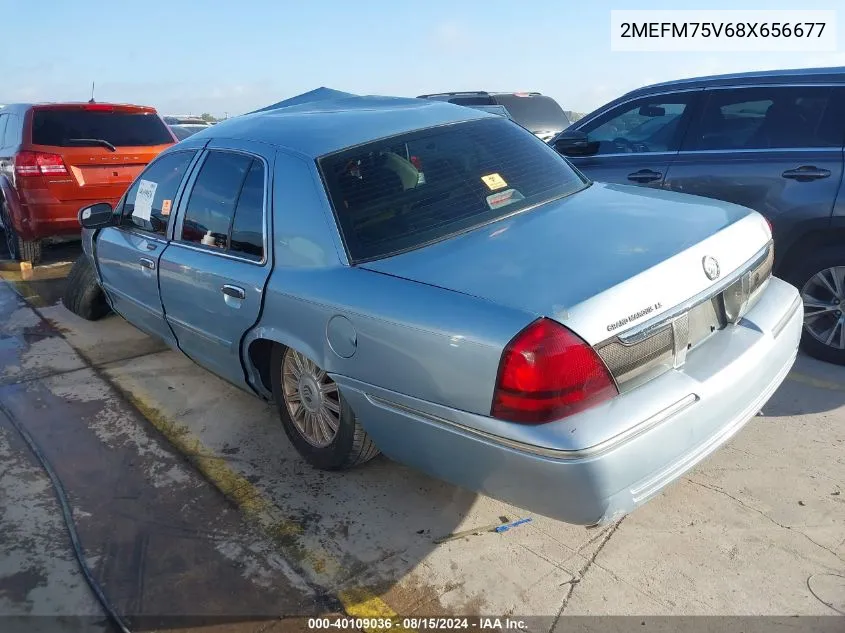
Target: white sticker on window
144,200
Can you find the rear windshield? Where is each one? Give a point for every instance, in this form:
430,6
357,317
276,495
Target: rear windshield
538,113
406,191
64,128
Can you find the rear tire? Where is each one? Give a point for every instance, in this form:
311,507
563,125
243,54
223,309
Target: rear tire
83,294
19,249
824,320
350,445
29,251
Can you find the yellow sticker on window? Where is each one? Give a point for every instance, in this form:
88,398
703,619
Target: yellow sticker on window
494,181
165,207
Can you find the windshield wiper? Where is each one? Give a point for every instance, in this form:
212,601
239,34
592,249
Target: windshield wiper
93,141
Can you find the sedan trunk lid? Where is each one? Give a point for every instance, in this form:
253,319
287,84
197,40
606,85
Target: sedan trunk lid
600,261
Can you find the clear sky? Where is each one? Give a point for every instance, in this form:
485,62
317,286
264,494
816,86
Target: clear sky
235,56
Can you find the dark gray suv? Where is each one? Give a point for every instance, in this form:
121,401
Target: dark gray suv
772,141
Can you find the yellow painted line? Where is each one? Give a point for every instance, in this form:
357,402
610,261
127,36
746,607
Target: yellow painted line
804,379
358,602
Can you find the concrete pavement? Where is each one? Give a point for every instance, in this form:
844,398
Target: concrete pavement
758,528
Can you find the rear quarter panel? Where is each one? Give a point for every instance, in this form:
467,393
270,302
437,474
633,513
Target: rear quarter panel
406,337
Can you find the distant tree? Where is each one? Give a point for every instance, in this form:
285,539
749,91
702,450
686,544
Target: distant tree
205,116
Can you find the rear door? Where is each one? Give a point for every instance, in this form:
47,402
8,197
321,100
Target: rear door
103,147
638,140
128,254
776,149
214,272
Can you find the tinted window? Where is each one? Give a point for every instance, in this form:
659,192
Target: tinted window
65,128
158,186
181,132
4,119
471,101
214,196
248,227
768,118
537,113
645,125
403,192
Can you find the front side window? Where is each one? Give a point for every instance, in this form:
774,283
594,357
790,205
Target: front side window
406,191
226,206
645,125
149,202
768,118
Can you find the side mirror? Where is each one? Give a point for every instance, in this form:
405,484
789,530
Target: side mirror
575,143
652,111
96,216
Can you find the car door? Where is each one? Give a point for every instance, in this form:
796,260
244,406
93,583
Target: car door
637,140
775,149
128,253
213,274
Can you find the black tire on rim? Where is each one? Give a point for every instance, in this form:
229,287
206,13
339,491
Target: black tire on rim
83,295
820,278
19,250
318,421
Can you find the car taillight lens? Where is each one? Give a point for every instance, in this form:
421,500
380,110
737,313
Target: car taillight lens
547,373
39,164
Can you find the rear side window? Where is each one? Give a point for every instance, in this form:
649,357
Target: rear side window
768,118
226,209
4,119
247,239
149,202
406,191
74,128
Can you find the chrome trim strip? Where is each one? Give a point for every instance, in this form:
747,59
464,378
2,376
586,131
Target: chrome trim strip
211,338
772,150
561,455
786,318
644,330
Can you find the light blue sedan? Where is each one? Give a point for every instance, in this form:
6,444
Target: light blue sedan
435,283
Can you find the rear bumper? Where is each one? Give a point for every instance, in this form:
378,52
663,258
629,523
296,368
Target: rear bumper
37,221
671,424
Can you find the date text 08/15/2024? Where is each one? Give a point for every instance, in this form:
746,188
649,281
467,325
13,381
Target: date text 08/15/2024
490,624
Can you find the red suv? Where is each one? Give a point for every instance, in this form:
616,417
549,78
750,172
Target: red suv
56,158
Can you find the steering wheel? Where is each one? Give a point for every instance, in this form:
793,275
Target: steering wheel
630,146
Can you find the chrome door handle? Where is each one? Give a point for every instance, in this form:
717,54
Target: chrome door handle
147,263
806,173
234,291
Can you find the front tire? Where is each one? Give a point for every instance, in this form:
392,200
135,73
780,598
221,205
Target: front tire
820,278
83,295
318,421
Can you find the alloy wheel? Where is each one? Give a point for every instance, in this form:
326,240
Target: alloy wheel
824,306
311,398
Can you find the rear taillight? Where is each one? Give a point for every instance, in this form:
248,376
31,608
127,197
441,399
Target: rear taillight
547,373
39,164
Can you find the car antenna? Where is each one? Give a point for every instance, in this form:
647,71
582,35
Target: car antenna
91,100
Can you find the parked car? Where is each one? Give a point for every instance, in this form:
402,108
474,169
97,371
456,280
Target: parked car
56,157
501,322
181,132
180,119
771,141
536,112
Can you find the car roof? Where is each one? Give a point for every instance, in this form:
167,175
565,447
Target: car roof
76,104
482,93
796,75
322,127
